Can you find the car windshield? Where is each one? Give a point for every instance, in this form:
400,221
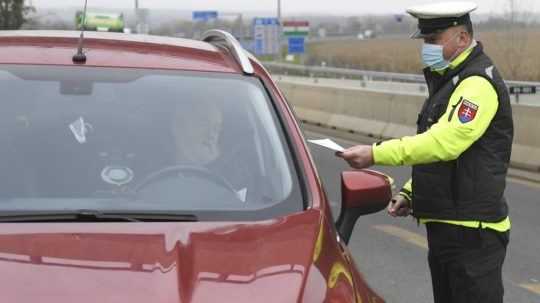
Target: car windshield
111,139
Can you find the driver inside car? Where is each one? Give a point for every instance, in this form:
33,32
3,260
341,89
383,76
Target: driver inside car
197,129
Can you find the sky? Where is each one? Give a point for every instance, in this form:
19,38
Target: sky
289,7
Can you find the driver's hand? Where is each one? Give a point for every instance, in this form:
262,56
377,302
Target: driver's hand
399,206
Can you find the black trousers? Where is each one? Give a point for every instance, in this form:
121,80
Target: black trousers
466,263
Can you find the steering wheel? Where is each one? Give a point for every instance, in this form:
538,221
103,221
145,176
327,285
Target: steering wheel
185,170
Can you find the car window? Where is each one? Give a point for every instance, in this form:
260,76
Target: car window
129,139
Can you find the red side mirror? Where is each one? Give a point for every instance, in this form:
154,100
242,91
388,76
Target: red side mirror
365,189
363,192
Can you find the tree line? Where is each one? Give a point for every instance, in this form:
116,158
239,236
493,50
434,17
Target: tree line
13,14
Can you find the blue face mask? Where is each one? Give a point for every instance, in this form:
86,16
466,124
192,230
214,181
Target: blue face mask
432,56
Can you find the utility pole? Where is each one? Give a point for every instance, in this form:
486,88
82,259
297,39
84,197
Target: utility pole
279,10
512,14
278,57
136,29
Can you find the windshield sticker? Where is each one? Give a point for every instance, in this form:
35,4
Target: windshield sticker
79,129
242,194
117,175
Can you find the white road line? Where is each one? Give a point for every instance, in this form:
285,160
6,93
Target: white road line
404,235
420,241
532,287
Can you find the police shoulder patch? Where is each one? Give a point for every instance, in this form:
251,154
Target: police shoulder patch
467,111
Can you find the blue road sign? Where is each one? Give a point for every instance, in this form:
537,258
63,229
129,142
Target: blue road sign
266,33
297,45
266,21
204,15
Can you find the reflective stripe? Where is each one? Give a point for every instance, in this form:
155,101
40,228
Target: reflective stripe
406,196
455,79
501,226
489,71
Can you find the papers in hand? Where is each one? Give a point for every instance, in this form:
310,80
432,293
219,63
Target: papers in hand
328,144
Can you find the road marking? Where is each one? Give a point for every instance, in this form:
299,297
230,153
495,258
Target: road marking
420,241
532,287
404,235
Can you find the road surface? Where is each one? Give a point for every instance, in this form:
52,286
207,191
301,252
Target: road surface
392,252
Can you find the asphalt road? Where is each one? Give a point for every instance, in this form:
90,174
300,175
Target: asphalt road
392,252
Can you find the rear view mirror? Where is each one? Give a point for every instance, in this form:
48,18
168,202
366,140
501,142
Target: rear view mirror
363,192
74,87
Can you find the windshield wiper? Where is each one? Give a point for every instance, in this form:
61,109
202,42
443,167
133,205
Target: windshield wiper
95,216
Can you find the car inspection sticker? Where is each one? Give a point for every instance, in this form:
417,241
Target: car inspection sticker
117,175
467,111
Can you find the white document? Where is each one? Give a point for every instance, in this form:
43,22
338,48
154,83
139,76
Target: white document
328,144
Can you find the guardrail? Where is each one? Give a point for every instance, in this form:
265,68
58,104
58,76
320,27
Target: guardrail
335,72
522,91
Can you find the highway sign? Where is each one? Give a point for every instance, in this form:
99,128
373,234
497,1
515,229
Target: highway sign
296,28
523,90
296,45
111,22
205,16
266,32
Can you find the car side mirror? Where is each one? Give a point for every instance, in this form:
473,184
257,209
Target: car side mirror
363,192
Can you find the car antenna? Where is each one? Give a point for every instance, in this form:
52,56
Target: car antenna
80,56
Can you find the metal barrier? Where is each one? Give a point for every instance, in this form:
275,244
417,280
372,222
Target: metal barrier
336,72
375,76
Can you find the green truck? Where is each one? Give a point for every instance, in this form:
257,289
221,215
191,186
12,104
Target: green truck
103,22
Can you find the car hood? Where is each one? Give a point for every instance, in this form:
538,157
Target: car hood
157,262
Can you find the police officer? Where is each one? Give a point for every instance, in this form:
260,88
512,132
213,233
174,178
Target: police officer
459,156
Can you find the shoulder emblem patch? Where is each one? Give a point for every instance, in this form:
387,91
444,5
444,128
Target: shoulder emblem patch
467,111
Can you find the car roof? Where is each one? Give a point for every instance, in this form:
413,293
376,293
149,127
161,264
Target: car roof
118,50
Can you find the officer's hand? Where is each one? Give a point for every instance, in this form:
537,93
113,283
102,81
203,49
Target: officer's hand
399,206
360,156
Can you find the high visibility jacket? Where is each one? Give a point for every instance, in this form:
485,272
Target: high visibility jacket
461,153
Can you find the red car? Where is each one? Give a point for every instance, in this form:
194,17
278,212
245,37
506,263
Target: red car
153,169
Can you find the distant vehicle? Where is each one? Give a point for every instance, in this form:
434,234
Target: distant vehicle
160,170
101,22
367,34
